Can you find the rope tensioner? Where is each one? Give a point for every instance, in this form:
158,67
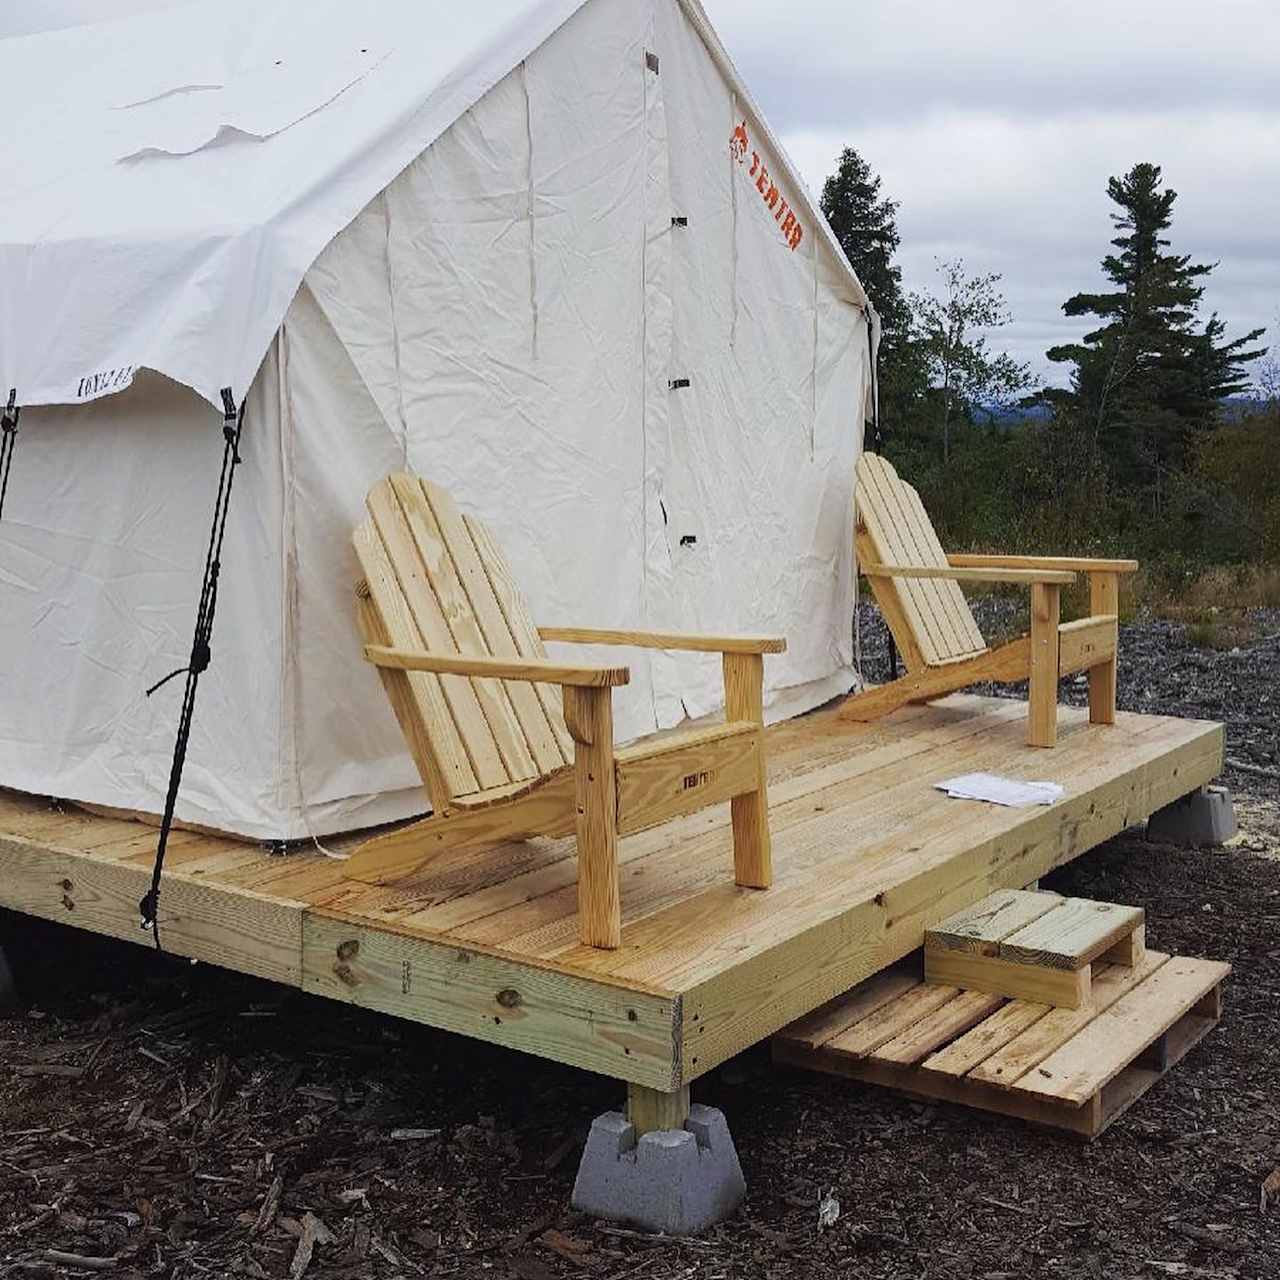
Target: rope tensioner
201,651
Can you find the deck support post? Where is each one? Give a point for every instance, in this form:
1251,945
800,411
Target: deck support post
649,1110
1104,598
588,713
664,1166
744,700
1042,720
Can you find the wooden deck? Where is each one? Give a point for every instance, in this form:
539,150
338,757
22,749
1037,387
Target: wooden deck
867,854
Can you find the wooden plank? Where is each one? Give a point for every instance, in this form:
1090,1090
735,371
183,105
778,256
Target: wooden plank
942,1026
415,594
1024,1052
700,771
933,1087
981,927
464,626
976,1045
396,622
547,809
211,922
1075,932
499,668
798,964
1009,662
676,641
1042,718
589,715
1086,644
1026,577
1128,951
892,605
1104,598
409,696
829,1020
1075,564
1064,988
864,1037
1080,1068
909,522
965,623
598,1026
523,633
749,809
653,1110
539,732
878,505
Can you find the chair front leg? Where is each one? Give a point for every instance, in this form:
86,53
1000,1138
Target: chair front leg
744,700
1104,598
588,712
1046,610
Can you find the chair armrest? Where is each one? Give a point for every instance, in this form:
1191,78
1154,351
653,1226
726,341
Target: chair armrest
454,664
1076,564
964,574
665,640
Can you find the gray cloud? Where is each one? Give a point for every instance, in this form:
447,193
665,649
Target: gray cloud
996,123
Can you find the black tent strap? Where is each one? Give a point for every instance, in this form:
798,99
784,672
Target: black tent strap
201,651
8,441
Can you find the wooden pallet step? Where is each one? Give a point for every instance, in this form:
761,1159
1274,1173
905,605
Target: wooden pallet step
1033,946
1072,1069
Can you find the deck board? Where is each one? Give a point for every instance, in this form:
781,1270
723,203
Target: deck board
867,854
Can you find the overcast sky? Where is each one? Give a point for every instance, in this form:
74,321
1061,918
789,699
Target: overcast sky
996,123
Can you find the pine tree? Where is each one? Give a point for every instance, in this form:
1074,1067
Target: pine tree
865,224
1150,377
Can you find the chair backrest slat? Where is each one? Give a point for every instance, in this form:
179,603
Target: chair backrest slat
524,633
941,625
433,590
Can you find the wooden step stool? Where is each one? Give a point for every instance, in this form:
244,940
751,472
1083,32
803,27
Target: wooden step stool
1033,946
1072,1068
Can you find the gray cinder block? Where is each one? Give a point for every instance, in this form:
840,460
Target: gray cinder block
1204,817
677,1181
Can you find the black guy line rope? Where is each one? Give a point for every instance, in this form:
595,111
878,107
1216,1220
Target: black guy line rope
8,441
232,425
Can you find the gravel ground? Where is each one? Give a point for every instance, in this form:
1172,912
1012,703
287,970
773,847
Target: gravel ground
164,1120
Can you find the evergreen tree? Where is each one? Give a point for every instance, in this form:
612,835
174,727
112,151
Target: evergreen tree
1150,376
865,224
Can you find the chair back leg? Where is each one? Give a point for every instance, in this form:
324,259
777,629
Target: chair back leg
1104,598
752,847
589,716
1046,610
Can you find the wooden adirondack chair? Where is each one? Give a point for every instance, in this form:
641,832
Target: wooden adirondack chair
917,586
510,744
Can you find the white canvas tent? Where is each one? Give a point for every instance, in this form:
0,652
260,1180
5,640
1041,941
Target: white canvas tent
545,252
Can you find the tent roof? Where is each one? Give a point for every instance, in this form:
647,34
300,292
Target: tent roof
170,176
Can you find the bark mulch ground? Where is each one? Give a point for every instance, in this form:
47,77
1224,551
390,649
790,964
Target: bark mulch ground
160,1119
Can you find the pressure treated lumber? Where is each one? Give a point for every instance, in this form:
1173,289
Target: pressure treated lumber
483,939
497,668
1089,1065
1063,988
674,641
917,588
652,1109
511,745
1026,577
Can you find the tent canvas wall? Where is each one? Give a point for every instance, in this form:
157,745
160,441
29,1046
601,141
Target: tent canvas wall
548,255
